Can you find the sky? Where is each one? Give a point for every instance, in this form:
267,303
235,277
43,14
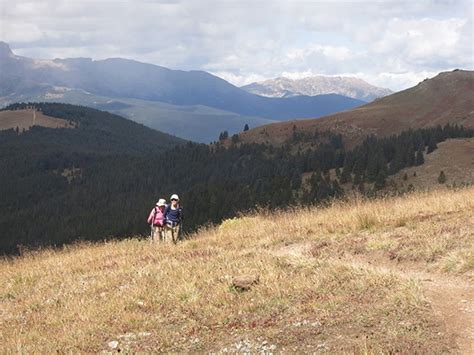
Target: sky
393,44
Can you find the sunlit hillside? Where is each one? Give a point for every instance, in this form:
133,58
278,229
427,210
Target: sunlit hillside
380,276
445,98
455,157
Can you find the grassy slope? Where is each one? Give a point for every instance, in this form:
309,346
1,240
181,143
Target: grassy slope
321,284
454,156
25,119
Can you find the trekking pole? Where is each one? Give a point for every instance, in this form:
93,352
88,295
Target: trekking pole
151,226
181,235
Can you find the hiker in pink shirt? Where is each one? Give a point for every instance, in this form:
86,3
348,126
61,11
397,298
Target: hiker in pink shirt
156,220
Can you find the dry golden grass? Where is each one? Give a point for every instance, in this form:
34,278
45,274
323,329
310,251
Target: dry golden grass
27,118
311,297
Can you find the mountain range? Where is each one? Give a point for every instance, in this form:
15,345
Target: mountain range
446,98
195,105
318,85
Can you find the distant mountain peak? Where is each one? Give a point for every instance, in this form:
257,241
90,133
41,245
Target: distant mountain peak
317,85
5,50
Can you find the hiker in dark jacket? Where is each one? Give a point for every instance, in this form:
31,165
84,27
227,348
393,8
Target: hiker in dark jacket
173,220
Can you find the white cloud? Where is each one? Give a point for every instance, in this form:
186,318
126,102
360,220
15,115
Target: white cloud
338,53
389,43
239,80
419,40
21,32
396,80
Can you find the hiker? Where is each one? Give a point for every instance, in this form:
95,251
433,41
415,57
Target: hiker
173,220
156,220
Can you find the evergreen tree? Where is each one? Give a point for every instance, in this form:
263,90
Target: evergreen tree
246,127
419,159
296,180
323,191
359,166
337,189
372,168
223,135
432,145
345,174
235,138
442,177
380,180
358,179
411,158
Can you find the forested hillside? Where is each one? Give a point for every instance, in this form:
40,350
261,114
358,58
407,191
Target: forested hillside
97,132
98,180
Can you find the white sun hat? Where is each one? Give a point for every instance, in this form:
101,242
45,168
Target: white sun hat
174,197
161,202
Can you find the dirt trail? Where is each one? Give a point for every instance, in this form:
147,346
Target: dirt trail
453,302
452,298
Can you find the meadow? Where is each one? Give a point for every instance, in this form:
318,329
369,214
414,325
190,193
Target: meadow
359,276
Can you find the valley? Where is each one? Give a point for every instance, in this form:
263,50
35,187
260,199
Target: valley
194,105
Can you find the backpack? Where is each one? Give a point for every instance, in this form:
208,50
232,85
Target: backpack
180,212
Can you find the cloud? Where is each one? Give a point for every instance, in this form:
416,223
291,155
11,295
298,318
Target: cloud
419,41
389,43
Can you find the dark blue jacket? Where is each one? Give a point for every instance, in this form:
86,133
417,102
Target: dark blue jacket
175,216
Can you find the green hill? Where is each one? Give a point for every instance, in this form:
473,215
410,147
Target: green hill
97,132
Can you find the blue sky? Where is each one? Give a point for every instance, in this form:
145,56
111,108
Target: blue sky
393,44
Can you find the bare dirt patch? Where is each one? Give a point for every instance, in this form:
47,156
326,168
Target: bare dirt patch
298,250
452,299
